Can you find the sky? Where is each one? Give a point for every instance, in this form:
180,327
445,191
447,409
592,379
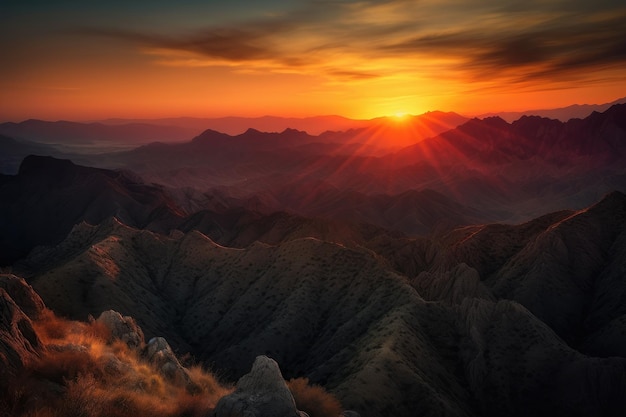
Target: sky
88,60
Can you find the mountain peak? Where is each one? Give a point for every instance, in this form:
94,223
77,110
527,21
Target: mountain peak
290,130
612,202
208,135
251,131
262,392
35,164
495,121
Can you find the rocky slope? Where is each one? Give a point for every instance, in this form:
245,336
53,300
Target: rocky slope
19,343
458,333
105,368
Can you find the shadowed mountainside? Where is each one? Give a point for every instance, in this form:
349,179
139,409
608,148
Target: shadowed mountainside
461,335
48,196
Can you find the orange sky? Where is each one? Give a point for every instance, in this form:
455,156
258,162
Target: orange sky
360,59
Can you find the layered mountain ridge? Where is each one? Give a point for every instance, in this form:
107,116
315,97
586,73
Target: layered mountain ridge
501,169
378,272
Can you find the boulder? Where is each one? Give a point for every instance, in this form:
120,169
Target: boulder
260,393
159,353
123,328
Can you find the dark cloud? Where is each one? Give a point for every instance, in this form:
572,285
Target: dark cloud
573,43
353,75
519,43
232,44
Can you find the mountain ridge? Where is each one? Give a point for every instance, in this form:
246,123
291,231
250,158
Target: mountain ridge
383,336
574,111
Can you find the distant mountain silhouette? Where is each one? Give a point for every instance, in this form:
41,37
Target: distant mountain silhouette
494,141
426,124
141,131
75,133
503,171
237,125
575,111
515,165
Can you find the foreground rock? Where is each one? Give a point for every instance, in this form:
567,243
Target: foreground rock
123,328
261,393
159,353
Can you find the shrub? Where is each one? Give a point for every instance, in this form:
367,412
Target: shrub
67,364
51,328
313,399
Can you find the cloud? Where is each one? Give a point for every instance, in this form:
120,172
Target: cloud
563,46
522,42
231,44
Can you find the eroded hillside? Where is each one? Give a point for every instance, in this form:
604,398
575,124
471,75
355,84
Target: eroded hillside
463,333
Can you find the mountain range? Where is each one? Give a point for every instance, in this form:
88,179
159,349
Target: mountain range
499,169
476,270
574,111
83,137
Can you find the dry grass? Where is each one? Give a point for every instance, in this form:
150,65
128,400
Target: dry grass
83,374
53,329
313,399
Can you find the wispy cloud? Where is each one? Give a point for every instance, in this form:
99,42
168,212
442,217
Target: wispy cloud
522,42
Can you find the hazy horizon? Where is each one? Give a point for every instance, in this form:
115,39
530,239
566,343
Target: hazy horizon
105,119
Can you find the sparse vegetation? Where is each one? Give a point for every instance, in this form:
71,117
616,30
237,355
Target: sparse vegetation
313,399
84,373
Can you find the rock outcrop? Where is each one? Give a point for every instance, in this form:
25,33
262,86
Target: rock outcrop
19,342
159,353
123,328
260,393
23,295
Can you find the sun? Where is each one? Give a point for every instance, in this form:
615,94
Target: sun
400,116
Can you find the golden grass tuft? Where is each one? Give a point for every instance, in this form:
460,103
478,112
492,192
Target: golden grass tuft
314,399
53,329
